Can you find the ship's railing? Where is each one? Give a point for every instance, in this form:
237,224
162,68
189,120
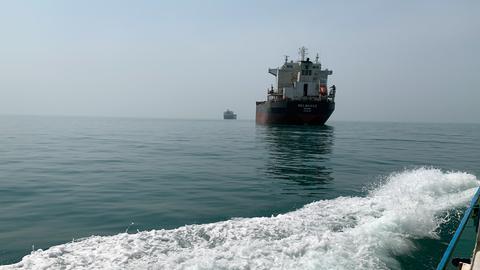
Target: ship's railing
274,95
461,247
277,97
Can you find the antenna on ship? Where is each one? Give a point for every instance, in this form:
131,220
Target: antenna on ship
316,58
286,58
302,51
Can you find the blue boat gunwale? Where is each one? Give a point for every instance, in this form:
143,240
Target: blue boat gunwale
451,246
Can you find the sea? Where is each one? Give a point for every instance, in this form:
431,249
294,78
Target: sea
128,193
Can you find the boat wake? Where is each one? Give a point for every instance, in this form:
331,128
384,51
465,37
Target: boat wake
343,233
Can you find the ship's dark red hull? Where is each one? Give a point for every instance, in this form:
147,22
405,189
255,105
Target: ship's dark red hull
309,112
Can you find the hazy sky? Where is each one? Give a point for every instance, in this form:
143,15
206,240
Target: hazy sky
391,60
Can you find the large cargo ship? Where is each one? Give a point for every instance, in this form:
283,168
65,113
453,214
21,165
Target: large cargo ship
301,94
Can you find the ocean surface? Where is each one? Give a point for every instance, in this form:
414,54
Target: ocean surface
114,193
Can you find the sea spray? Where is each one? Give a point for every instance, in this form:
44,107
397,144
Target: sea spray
343,233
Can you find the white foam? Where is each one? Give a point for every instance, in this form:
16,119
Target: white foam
343,233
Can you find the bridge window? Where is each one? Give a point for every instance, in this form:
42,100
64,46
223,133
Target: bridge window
306,72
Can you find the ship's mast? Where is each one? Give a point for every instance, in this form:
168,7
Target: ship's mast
303,52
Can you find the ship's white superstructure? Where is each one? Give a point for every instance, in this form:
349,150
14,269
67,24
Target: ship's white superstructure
300,80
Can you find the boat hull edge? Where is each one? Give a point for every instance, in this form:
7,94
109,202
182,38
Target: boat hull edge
294,112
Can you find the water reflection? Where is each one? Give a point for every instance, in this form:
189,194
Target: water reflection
298,154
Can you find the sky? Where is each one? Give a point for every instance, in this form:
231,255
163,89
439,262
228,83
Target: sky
402,61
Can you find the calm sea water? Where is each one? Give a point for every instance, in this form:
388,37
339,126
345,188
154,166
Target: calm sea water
66,178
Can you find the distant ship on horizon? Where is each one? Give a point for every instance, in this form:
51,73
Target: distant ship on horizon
301,95
229,115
